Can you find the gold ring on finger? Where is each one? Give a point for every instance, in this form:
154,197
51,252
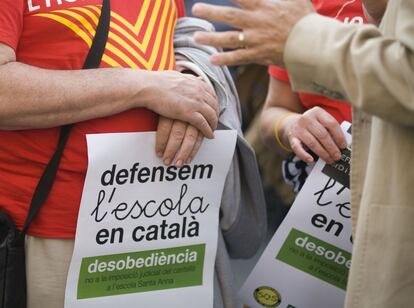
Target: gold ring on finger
242,39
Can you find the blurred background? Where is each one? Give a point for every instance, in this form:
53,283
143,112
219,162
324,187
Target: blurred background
252,84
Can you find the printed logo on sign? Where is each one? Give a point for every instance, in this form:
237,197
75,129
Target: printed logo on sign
340,170
267,297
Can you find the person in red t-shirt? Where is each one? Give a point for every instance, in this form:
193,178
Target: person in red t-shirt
43,45
300,122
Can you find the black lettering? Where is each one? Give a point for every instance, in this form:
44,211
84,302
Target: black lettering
200,208
184,172
122,176
174,231
102,236
319,220
122,207
329,184
144,174
101,197
135,232
136,205
168,205
202,169
152,233
183,192
171,173
111,174
120,231
163,226
183,226
333,223
133,170
344,209
154,173
193,228
147,206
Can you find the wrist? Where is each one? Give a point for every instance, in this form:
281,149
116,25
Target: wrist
281,129
144,94
374,11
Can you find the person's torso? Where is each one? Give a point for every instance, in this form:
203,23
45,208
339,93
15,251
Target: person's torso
383,143
57,35
382,195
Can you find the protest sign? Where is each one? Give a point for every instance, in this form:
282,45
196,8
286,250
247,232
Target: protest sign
147,233
307,261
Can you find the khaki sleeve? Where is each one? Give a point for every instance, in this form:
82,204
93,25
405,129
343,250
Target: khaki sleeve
357,63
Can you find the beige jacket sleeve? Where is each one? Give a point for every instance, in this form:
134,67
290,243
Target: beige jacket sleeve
375,72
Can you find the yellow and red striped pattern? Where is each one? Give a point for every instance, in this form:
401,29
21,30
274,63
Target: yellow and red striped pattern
147,44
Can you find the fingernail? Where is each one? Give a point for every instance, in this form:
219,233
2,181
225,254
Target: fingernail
189,161
167,161
159,154
338,156
196,36
214,60
196,8
179,164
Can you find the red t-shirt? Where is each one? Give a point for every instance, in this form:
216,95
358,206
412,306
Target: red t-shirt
57,35
345,11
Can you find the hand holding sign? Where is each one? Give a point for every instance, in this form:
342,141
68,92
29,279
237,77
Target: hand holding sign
177,142
146,231
311,250
183,97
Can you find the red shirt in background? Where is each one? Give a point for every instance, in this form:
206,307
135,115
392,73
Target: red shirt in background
347,12
57,35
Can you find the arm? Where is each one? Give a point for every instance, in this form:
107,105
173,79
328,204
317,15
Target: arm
323,56
314,129
279,101
178,142
374,10
374,72
31,97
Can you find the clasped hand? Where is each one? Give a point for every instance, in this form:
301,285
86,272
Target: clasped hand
317,131
178,140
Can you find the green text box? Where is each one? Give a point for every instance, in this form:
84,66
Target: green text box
320,259
143,271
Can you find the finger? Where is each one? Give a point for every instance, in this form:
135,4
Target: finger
201,123
175,140
325,139
298,149
209,88
212,101
334,129
248,4
237,57
208,93
313,144
163,133
209,112
234,17
196,148
227,39
190,139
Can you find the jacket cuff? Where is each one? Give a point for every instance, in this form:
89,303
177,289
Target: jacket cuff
307,56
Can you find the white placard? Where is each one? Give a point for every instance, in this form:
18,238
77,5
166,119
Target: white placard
307,261
147,233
